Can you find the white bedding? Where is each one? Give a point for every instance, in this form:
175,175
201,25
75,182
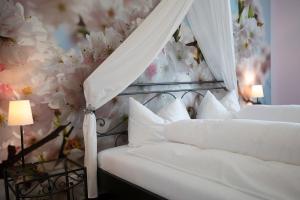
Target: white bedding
180,171
281,113
266,140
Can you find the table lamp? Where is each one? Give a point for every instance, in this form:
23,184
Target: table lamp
19,114
257,92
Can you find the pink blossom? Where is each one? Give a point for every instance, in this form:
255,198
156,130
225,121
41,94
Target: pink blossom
151,71
6,92
2,67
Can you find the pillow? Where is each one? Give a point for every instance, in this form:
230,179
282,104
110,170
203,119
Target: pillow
211,108
173,112
231,102
144,126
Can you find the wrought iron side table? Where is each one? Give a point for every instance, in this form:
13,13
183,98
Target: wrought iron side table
57,179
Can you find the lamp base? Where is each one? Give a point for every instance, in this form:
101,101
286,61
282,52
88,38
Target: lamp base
22,146
257,101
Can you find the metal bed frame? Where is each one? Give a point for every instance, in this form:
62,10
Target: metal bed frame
201,86
122,189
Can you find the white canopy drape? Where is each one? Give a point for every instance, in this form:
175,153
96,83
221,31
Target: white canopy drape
211,24
122,67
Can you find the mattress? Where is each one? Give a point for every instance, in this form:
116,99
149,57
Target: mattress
139,166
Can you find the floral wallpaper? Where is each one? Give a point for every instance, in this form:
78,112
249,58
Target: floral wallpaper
251,23
48,48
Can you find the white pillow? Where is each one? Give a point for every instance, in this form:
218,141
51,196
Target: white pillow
173,112
145,127
231,102
211,108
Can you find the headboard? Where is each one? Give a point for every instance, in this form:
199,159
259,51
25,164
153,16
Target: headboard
157,89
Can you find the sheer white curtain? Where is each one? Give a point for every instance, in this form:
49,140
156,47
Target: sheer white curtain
211,24
122,67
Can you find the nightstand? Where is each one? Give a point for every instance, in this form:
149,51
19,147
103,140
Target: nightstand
56,179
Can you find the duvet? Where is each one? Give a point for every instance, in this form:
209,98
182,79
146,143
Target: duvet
254,177
258,158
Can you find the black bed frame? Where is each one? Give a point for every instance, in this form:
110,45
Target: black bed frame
119,188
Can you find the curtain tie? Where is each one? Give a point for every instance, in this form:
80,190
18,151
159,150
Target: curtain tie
89,109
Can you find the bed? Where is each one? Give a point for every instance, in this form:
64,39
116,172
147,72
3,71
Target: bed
141,168
161,179
108,180
182,166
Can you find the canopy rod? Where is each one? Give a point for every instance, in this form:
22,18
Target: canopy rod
174,83
169,91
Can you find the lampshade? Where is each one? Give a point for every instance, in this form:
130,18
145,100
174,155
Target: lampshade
19,113
257,91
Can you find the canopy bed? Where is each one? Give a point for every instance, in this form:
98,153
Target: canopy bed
210,21
111,182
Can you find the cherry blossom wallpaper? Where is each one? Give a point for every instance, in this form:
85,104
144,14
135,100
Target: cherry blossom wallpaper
251,23
48,48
